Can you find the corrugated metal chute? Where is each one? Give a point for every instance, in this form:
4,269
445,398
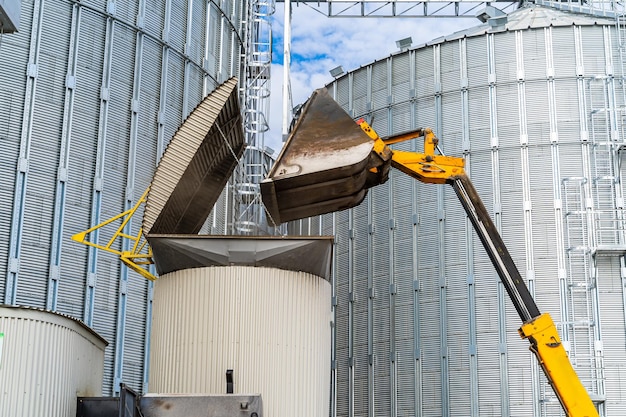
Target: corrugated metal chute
196,164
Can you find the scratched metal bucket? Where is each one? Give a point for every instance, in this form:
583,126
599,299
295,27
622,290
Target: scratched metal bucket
326,165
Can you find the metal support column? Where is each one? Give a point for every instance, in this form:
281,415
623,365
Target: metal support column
17,215
63,170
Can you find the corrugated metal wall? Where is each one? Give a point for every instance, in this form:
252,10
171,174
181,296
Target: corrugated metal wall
270,326
90,94
423,326
47,361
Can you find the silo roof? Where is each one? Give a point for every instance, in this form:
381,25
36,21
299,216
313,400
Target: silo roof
529,16
196,164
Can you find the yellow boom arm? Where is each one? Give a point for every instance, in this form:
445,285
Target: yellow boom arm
538,328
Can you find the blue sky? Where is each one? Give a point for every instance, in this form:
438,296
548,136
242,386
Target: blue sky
320,43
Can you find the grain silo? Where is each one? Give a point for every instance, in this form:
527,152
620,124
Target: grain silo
534,101
90,94
46,360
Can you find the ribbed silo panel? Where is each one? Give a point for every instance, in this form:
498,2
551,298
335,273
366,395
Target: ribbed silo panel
381,302
380,77
534,50
194,88
147,116
105,308
400,78
127,11
359,93
380,122
505,59
563,49
538,118
401,117
424,73
567,110
154,18
135,325
425,112
98,5
406,371
116,142
178,25
450,138
479,117
11,102
342,94
82,161
512,199
593,51
198,29
570,162
450,67
44,153
213,49
508,114
477,67
455,248
174,94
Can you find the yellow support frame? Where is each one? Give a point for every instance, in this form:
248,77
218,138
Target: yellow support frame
140,254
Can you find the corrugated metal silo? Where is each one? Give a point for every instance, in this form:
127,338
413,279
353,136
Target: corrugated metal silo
90,93
46,361
534,103
269,324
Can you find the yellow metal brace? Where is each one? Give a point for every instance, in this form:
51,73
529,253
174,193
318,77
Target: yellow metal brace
426,167
140,253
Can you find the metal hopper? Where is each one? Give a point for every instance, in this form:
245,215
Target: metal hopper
326,165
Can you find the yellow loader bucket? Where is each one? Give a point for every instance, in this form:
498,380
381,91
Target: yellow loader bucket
326,165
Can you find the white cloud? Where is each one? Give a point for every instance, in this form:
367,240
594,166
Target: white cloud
320,43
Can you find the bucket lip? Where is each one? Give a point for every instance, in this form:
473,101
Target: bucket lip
53,315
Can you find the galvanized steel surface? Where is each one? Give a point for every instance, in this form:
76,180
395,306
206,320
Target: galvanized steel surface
271,327
90,94
423,327
47,360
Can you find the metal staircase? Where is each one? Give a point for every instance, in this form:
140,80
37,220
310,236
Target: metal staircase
255,164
